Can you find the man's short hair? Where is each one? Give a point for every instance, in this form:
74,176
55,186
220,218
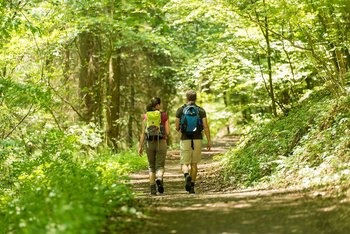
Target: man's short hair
191,95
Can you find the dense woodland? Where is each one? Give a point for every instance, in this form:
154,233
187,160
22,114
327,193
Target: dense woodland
76,75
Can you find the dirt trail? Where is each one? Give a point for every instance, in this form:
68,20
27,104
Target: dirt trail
214,210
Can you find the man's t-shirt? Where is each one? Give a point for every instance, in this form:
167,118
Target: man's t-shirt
202,114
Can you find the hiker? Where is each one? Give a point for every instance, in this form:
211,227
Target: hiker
191,120
155,130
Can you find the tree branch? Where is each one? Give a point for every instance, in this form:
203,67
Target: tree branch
68,103
262,26
19,123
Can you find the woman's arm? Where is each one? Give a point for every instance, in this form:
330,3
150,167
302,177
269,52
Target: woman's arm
142,137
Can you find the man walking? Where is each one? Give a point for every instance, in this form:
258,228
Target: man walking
191,120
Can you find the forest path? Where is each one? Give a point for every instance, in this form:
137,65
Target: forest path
216,210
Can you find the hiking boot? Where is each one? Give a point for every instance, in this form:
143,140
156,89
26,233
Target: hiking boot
160,186
192,189
153,189
188,183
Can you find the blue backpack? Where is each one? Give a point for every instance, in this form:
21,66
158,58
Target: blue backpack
190,122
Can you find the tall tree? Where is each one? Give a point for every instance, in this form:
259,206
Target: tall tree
113,93
88,76
265,27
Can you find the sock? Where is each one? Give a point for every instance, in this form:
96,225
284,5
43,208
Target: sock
186,174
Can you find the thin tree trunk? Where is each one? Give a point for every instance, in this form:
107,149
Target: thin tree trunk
226,102
98,87
264,27
269,65
113,106
66,63
131,109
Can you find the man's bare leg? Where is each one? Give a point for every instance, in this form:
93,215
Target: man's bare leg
194,170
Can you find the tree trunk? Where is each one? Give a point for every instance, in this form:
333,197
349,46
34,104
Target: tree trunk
131,110
226,96
113,106
98,86
66,63
267,39
88,77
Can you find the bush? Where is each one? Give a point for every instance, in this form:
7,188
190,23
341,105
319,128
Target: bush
257,156
63,185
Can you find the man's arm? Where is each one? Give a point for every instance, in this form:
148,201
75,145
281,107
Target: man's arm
177,124
207,132
177,120
167,128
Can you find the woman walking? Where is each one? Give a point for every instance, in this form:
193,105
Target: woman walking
155,131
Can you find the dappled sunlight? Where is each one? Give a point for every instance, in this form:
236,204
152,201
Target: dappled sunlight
272,211
80,80
257,215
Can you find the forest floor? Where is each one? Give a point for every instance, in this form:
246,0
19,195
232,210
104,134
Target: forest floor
216,209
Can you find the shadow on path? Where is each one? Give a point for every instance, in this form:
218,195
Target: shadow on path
234,212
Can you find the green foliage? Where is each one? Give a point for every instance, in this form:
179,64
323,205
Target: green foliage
215,47
255,156
322,156
58,185
309,147
23,95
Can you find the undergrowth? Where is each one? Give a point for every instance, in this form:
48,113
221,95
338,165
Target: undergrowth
307,148
63,182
